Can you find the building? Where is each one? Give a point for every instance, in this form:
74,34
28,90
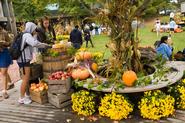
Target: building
7,15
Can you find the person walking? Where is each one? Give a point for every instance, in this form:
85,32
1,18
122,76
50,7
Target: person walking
172,25
172,15
76,37
87,36
28,42
157,27
5,59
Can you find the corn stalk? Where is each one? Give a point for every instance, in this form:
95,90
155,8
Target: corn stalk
118,15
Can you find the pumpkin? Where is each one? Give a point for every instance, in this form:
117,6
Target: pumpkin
83,55
129,78
94,67
178,30
80,73
87,56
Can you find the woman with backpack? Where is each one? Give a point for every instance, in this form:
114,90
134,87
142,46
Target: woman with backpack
28,42
5,59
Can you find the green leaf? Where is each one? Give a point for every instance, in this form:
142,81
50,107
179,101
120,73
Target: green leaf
90,86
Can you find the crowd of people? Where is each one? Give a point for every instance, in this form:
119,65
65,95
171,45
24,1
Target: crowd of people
170,26
39,37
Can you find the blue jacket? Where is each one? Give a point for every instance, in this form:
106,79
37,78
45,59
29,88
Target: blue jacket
165,50
76,37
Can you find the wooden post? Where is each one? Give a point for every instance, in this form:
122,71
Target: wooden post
8,15
1,10
13,22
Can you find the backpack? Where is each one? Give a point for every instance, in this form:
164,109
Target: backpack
15,48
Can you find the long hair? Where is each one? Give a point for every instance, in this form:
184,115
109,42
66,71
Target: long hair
42,20
163,40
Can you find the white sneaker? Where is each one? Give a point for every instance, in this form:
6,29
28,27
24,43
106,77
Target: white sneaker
21,101
27,100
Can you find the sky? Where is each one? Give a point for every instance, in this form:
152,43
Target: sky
174,1
52,7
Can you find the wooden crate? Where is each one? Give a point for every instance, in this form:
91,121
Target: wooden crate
36,71
39,97
60,100
59,86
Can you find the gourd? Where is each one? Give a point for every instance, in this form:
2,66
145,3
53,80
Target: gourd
129,78
80,73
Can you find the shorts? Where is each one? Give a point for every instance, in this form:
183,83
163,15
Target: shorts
21,65
171,29
5,58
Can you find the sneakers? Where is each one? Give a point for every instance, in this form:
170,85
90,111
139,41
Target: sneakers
25,100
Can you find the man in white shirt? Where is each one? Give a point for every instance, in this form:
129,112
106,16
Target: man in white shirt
172,15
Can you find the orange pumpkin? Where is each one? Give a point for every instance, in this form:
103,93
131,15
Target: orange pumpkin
87,55
129,78
83,55
94,67
80,73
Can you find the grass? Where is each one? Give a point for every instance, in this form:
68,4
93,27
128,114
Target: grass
99,42
147,38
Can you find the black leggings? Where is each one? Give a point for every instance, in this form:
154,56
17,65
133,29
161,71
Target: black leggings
90,42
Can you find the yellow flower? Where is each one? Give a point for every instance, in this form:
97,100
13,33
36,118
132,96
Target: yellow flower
115,106
83,103
183,81
82,49
155,105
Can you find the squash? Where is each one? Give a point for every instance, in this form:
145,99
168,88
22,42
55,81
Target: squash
129,78
178,30
87,56
83,55
80,73
94,67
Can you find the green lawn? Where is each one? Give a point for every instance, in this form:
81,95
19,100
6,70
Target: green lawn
146,37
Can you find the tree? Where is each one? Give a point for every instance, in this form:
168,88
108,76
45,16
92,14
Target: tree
76,8
30,9
158,5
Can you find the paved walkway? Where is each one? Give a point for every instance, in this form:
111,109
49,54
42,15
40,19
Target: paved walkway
12,112
13,71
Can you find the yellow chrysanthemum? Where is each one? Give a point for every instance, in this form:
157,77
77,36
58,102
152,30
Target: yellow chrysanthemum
115,106
155,105
83,103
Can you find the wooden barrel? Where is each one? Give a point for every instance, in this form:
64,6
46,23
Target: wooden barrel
54,64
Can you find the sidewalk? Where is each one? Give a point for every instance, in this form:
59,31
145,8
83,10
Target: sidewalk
12,112
13,71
